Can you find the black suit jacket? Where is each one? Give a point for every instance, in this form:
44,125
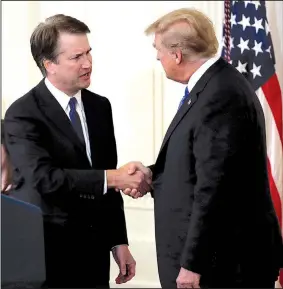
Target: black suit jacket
213,208
46,152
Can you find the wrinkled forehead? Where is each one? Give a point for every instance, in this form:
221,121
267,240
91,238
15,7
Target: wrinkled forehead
71,42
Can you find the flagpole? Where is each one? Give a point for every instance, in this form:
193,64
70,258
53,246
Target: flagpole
227,29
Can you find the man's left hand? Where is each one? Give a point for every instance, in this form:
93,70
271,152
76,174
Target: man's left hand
6,171
132,167
187,279
126,263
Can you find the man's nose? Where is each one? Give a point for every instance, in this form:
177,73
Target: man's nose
87,62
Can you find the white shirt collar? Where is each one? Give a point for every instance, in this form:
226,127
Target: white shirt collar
62,97
200,71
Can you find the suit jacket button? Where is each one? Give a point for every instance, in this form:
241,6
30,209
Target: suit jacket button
92,197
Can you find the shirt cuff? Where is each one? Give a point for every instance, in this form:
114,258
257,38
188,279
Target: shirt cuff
118,246
105,184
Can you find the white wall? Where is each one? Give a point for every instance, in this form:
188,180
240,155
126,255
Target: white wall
125,70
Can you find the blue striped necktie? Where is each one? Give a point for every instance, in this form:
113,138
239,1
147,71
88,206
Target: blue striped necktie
75,119
186,95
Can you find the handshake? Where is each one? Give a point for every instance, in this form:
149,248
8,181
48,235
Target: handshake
133,179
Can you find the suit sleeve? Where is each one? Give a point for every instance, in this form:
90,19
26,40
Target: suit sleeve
27,153
116,216
151,167
220,134
2,131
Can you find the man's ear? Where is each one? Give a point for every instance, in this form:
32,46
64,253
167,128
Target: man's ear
49,66
179,56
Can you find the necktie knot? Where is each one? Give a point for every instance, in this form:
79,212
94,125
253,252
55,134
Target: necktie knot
72,103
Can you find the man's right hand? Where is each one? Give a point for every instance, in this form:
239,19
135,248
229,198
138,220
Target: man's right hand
6,171
134,167
129,177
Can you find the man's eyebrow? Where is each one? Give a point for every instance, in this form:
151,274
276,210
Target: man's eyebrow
79,54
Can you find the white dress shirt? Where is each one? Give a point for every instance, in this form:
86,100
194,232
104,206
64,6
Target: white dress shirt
63,99
200,72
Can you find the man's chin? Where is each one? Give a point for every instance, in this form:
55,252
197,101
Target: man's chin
172,78
85,84
169,77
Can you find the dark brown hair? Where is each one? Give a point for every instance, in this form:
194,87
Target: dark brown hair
44,38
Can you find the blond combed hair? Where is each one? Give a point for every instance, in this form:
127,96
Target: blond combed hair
189,30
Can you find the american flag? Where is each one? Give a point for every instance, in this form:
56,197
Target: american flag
247,45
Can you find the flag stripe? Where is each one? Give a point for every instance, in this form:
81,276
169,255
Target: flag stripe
274,152
275,196
271,90
274,148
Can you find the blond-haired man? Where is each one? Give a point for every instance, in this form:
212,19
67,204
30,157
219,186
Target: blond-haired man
214,217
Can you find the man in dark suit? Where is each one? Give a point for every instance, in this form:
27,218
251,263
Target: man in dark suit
214,218
61,140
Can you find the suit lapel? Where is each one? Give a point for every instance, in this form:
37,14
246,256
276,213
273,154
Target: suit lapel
54,112
92,115
186,106
193,96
